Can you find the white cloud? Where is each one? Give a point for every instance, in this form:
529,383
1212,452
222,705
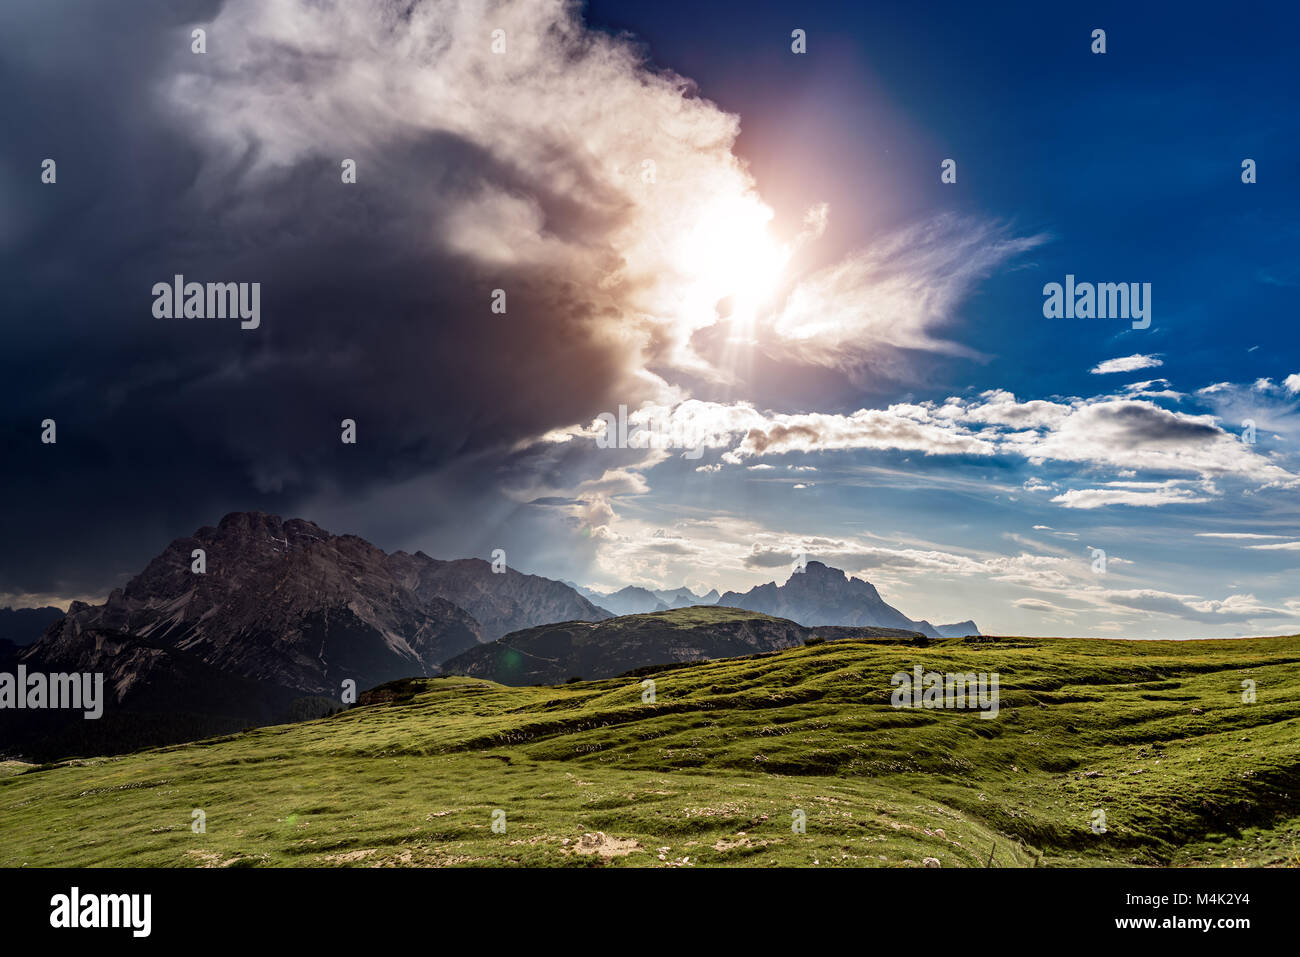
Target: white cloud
1234,608
1121,433
999,407
1126,364
894,428
1154,389
1099,497
1137,434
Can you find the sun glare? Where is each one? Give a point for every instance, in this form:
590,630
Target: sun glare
731,254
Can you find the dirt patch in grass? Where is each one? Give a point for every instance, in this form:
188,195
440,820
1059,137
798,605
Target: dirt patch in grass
602,845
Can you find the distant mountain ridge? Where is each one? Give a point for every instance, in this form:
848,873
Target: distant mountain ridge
501,602
23,626
817,595
683,598
551,654
635,600
632,600
821,595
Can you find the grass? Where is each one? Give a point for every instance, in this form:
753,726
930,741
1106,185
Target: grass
1156,734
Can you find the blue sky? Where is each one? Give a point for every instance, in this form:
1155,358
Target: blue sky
694,222
1128,165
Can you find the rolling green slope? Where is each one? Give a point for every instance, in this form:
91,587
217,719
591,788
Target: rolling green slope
1156,734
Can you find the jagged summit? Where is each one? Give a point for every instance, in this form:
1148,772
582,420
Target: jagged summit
823,595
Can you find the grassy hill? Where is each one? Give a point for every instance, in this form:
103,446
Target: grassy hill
1154,733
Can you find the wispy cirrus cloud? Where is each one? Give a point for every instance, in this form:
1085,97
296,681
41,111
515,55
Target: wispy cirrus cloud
894,294
1271,408
1246,536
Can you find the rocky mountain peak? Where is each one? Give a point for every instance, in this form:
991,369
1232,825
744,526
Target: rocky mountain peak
820,594
278,601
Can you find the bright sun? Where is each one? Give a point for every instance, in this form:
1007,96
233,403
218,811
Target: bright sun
730,254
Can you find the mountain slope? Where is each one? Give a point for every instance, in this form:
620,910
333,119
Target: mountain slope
153,695
554,653
500,602
820,595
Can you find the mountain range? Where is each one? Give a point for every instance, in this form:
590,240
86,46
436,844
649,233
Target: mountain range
260,620
280,616
22,626
634,600
684,598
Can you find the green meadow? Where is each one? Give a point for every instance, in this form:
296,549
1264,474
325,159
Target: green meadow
716,771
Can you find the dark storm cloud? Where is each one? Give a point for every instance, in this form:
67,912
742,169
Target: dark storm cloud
367,311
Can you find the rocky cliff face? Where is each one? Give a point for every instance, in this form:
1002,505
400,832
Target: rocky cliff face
280,601
820,595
